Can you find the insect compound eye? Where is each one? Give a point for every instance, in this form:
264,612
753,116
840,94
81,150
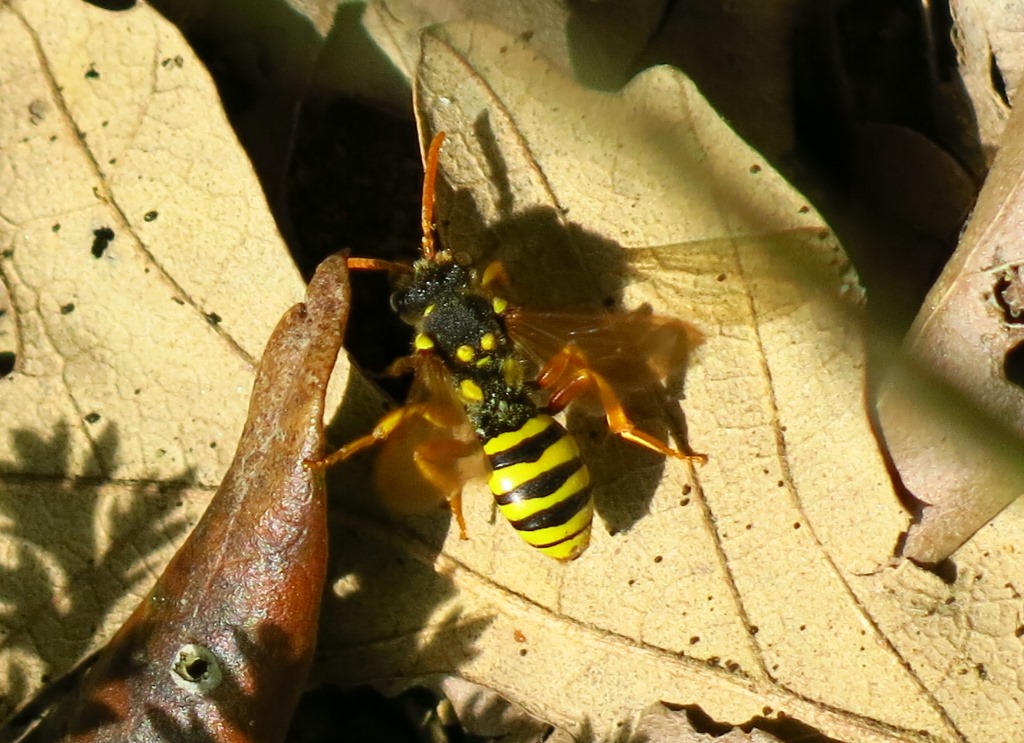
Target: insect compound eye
408,304
396,302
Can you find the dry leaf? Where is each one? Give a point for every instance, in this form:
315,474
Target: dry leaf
758,585
953,410
598,42
145,274
321,13
221,646
987,41
659,724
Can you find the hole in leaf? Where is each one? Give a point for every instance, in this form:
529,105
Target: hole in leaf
1013,365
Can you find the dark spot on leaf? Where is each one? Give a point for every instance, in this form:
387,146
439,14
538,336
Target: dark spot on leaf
7,359
67,309
1013,365
91,73
150,216
37,110
998,82
213,318
92,418
101,241
1008,294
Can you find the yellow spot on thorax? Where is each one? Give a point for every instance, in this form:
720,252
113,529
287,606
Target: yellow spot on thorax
465,354
423,342
499,305
488,341
471,390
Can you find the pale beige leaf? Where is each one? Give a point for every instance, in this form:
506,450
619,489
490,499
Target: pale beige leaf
741,54
134,352
659,724
756,585
483,712
987,39
321,13
952,417
596,42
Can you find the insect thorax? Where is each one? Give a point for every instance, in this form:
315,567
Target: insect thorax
458,320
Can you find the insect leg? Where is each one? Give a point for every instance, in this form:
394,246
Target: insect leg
568,375
433,459
384,428
376,264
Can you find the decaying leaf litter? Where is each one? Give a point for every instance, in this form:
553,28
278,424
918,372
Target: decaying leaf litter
480,591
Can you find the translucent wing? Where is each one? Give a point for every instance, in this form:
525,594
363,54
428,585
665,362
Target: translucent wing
632,350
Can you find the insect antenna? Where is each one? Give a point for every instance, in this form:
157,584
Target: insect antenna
429,178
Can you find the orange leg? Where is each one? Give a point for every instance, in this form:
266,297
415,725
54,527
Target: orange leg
376,264
569,376
434,460
384,428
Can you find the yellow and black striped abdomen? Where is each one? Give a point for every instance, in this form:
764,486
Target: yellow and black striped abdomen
542,486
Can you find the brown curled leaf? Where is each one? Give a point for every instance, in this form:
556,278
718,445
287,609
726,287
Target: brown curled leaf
220,648
952,411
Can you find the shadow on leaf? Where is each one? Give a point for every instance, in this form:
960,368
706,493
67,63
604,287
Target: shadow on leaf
79,545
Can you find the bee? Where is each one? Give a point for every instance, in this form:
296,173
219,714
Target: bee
473,407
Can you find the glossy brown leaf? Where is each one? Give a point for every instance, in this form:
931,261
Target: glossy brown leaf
220,648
